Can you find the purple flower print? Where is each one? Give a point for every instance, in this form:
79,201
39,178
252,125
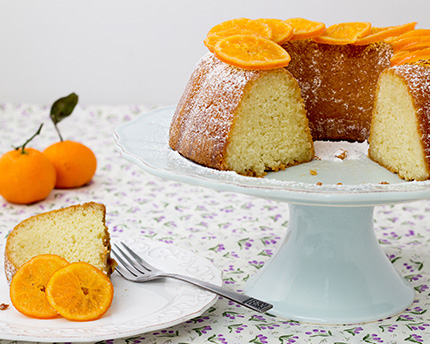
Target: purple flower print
202,330
415,338
259,339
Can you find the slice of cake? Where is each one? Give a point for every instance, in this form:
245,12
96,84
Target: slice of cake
76,233
400,130
248,121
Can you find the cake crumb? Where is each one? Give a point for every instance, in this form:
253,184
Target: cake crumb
313,172
339,184
316,158
3,306
342,155
319,183
384,183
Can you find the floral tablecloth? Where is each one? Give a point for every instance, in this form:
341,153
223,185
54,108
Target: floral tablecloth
237,233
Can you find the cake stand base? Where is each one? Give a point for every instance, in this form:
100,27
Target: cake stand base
331,269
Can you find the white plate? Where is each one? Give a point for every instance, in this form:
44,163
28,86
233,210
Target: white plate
136,308
144,141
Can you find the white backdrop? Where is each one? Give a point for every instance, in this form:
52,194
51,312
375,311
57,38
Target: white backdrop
142,51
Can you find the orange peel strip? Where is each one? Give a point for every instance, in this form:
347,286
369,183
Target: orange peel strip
411,57
251,52
381,34
281,30
344,33
304,28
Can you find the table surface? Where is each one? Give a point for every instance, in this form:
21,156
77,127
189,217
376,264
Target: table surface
236,232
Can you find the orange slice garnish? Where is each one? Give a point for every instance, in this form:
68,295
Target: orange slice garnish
80,292
407,41
381,34
237,26
304,28
28,286
213,39
344,33
410,56
412,33
415,46
281,30
251,52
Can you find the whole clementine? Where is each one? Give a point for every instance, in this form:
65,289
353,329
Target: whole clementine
75,164
26,176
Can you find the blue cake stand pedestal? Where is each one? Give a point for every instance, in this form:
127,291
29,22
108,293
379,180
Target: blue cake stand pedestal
330,267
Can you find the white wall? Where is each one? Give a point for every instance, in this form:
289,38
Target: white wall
141,51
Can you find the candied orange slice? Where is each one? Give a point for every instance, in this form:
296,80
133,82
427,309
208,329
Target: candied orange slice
238,26
344,33
304,28
415,46
410,56
251,52
381,34
403,43
281,30
412,33
213,39
80,292
28,286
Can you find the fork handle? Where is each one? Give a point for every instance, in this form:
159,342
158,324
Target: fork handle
242,299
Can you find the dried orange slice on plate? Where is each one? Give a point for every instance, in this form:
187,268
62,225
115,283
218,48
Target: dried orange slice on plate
304,28
251,52
281,30
28,286
80,292
384,33
344,33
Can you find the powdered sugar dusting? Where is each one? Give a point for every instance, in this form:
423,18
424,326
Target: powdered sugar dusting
340,150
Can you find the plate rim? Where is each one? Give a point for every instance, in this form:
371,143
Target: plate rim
115,334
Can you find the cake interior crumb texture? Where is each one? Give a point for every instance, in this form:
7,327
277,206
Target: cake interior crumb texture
395,140
76,233
270,130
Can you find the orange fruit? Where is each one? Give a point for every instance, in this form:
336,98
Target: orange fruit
381,34
344,33
28,286
80,292
304,28
239,26
281,30
26,177
75,164
251,52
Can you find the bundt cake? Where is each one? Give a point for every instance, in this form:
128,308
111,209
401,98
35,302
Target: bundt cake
248,121
251,120
400,130
76,233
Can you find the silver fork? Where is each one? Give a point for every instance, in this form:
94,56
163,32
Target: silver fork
133,268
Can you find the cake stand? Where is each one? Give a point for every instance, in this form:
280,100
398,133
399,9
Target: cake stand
330,267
